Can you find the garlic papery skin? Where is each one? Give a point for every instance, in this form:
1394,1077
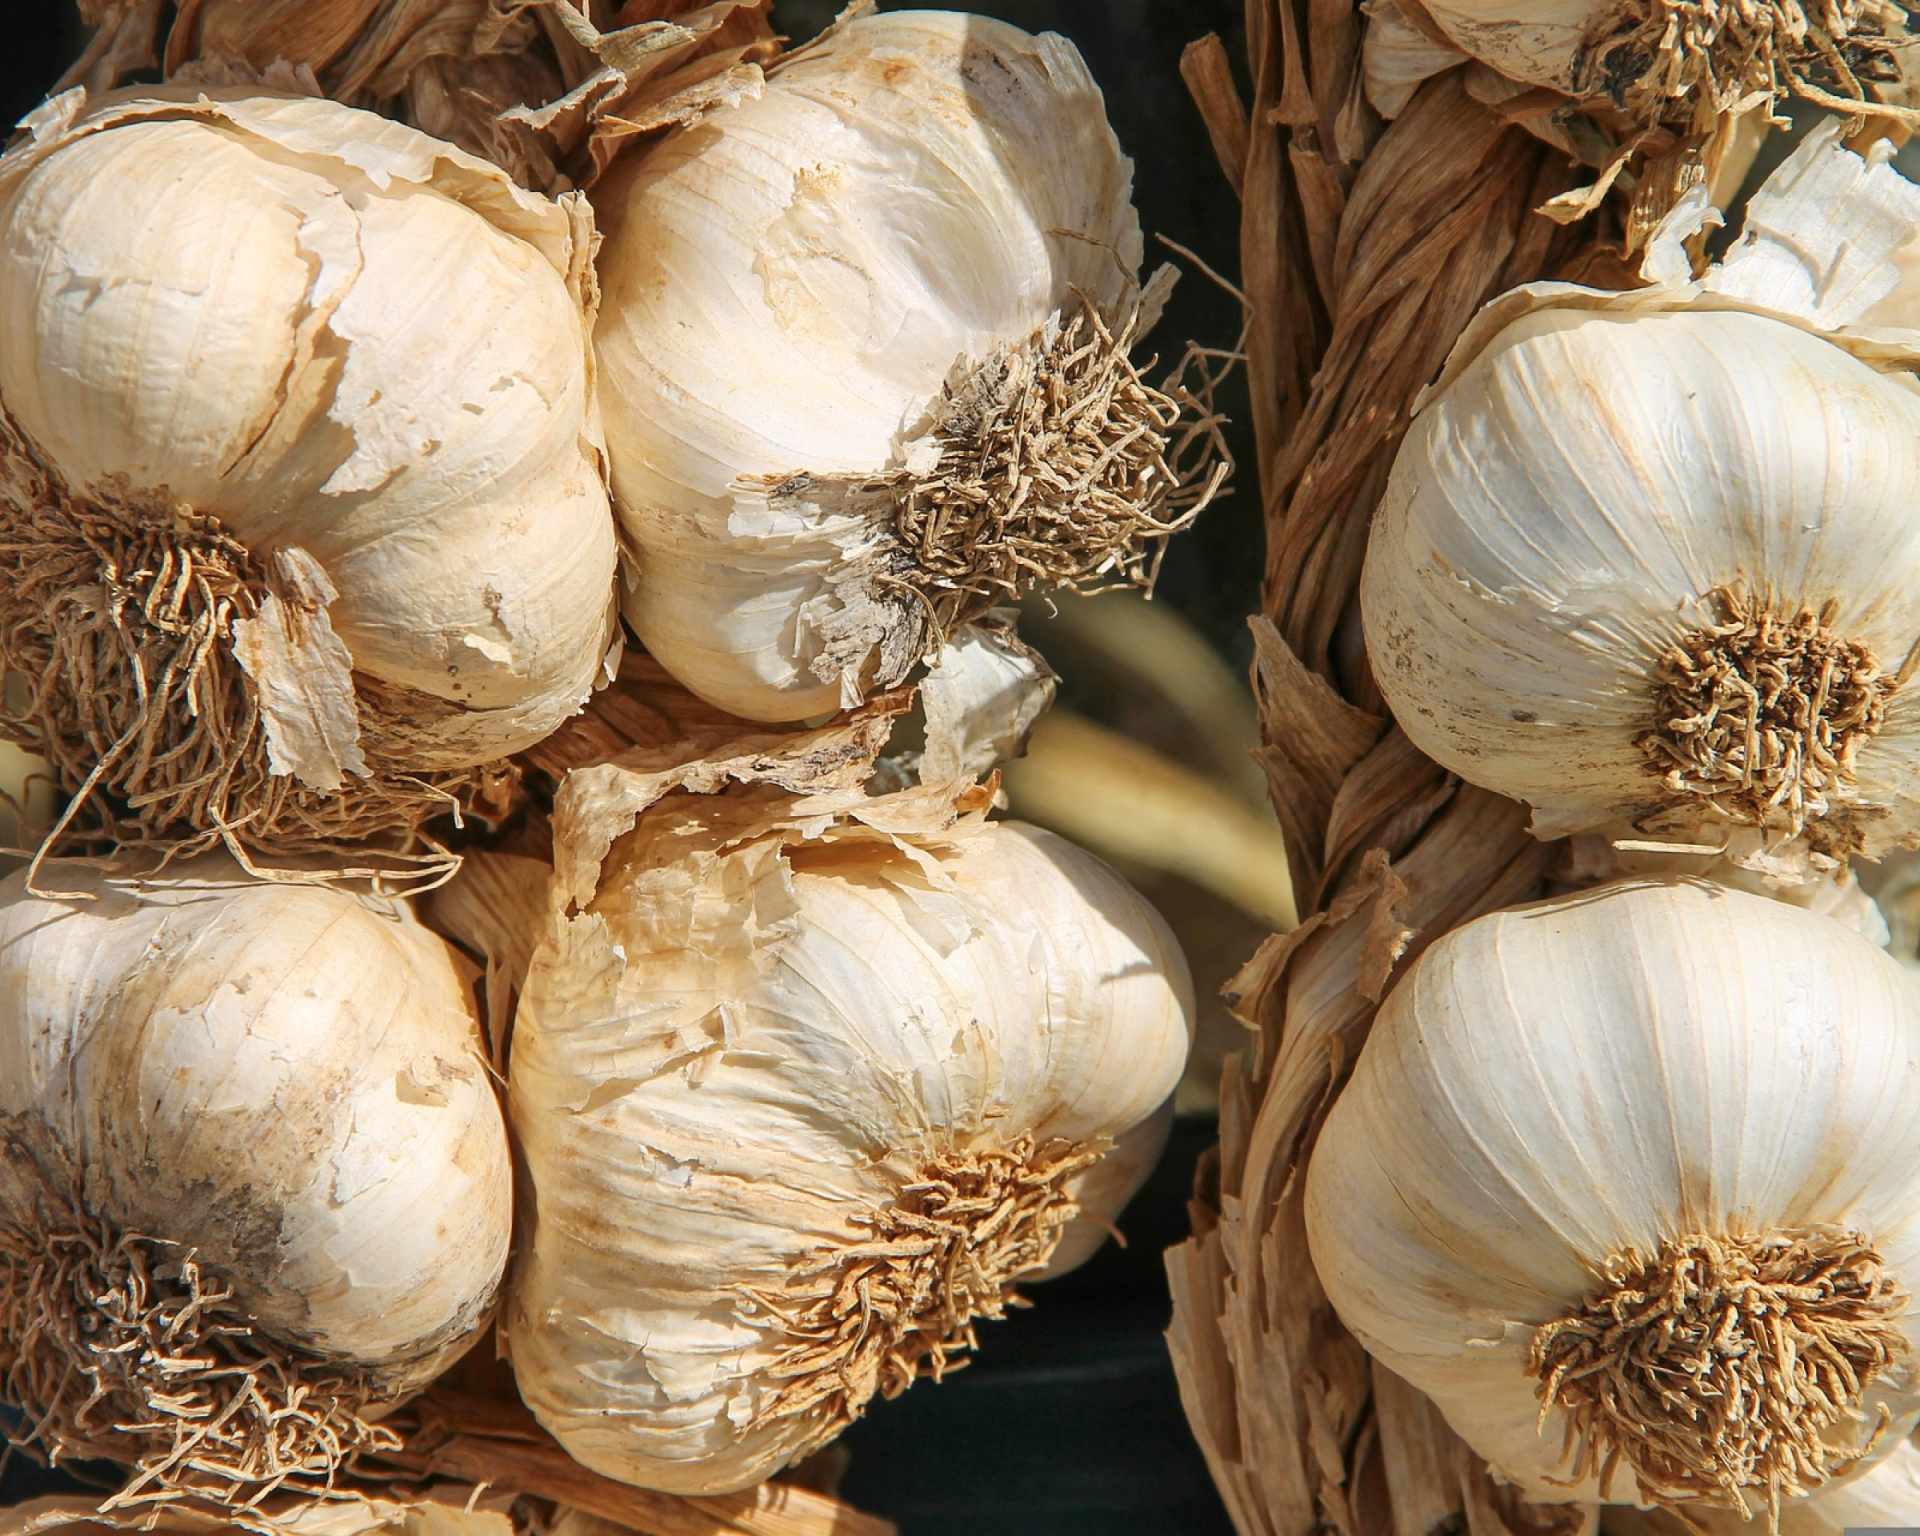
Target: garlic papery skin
1605,523
255,1186
863,350
308,396
1650,1097
794,1050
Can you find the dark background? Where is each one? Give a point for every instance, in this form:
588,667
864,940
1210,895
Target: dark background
1068,1423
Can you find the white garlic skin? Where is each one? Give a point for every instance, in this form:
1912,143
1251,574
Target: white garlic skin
284,1078
786,288
1561,1082
332,332
1559,512
1883,1497
710,1089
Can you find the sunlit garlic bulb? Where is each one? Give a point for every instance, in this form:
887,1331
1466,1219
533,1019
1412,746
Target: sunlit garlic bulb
304,525
865,358
805,1090
254,1179
1628,1183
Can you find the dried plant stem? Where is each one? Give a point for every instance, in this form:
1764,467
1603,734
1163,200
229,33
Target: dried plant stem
1762,712
1712,1367
117,611
130,1349
870,1317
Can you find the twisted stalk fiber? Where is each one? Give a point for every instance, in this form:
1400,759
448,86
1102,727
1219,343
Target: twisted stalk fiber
117,612
869,1318
129,1348
1365,250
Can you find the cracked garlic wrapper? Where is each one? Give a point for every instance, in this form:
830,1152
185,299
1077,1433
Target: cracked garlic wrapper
303,515
864,350
254,1179
1628,1183
806,1087
1649,566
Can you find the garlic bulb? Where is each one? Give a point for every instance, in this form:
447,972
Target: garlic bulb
804,1087
1883,1499
1658,62
255,1184
1656,569
303,510
864,356
1628,1182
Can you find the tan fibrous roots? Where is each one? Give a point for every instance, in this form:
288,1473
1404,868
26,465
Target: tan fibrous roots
1763,712
117,614
870,1317
1060,467
1680,63
1712,1368
127,1348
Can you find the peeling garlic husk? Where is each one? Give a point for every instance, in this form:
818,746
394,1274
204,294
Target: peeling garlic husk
823,312
1613,506
1580,1100
339,372
774,1035
256,1187
550,90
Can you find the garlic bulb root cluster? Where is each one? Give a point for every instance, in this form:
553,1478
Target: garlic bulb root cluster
1642,564
1773,1334
254,1179
1682,64
1626,1182
866,356
305,528
807,1085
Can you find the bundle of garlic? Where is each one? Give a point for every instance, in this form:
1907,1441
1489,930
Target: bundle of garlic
1628,1183
302,520
805,1085
1646,560
865,354
254,1179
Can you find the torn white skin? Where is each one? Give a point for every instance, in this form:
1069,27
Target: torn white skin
982,696
341,338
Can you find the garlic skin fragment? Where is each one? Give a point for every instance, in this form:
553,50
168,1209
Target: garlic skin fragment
1580,498
789,287
364,355
280,1084
786,1031
1552,1087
